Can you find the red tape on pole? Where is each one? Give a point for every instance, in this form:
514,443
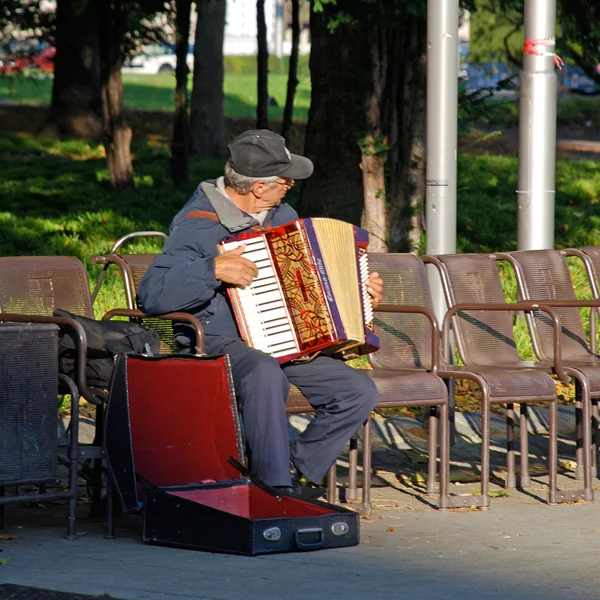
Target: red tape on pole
537,48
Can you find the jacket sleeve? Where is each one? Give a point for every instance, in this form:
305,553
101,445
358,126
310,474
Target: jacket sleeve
182,278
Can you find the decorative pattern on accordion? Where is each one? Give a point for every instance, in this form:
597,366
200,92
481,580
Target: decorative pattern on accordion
301,285
294,307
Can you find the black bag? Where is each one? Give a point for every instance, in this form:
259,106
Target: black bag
105,339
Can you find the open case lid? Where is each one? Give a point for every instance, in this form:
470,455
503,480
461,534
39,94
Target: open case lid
173,421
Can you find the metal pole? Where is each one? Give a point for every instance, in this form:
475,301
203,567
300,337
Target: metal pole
442,111
442,125
537,128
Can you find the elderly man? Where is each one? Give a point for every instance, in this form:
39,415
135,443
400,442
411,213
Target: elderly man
191,276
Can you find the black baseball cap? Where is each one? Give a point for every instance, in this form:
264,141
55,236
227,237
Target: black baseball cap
262,153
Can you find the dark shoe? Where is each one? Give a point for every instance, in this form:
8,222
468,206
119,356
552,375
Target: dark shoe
289,490
295,473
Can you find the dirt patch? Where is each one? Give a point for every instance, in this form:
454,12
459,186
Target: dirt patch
571,143
146,125
158,125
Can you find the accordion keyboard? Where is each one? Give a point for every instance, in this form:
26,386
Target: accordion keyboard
267,321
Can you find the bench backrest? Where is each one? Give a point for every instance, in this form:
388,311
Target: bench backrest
36,285
405,338
545,275
483,337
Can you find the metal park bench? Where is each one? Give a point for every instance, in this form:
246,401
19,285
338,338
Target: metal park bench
543,276
31,288
482,323
402,386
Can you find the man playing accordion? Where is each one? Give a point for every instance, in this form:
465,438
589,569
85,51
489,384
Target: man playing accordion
190,275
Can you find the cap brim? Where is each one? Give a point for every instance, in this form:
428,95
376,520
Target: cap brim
301,168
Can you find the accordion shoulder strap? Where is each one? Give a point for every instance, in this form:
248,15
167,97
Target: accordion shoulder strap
204,214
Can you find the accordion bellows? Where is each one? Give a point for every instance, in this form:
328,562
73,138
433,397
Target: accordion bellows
310,293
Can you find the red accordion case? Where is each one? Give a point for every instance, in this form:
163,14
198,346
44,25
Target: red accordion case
172,437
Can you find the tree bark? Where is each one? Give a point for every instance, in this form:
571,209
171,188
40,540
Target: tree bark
207,117
262,68
117,136
374,104
336,121
375,145
406,186
179,143
292,83
76,107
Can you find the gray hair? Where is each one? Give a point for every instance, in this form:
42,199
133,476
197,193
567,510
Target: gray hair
241,183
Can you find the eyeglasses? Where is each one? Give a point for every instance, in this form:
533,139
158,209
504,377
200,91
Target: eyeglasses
288,184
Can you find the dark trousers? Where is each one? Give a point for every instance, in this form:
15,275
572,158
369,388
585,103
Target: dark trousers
342,397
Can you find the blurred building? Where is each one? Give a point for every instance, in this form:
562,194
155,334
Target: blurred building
240,27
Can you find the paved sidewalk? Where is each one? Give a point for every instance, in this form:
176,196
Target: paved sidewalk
519,549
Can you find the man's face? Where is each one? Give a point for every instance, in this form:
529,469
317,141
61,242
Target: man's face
268,195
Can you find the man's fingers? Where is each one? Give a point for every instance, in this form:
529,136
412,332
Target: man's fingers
238,251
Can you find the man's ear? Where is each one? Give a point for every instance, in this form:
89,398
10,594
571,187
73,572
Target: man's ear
258,189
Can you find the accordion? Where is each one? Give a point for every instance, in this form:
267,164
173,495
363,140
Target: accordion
310,293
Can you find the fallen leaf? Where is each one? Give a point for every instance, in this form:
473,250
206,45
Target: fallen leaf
390,528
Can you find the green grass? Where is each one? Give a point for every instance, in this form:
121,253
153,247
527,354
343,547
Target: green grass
155,92
580,112
487,207
55,199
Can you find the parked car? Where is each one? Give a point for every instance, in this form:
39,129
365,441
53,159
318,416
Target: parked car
25,57
579,83
156,58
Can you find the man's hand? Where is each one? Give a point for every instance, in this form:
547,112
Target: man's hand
375,288
232,267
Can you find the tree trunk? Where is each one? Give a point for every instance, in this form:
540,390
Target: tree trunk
288,111
370,115
407,135
179,143
374,146
262,68
117,136
76,108
207,118
336,121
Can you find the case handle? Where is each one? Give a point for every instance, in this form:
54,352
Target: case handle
299,533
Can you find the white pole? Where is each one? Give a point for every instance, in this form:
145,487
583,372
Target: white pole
442,126
537,128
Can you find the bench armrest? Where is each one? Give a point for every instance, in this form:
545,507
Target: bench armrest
174,316
524,306
435,329
80,347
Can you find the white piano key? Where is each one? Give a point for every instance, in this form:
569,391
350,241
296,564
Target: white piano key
261,311
271,324
265,317
257,255
262,288
264,297
284,352
258,329
277,328
265,273
279,338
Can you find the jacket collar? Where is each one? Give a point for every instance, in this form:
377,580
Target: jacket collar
230,216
